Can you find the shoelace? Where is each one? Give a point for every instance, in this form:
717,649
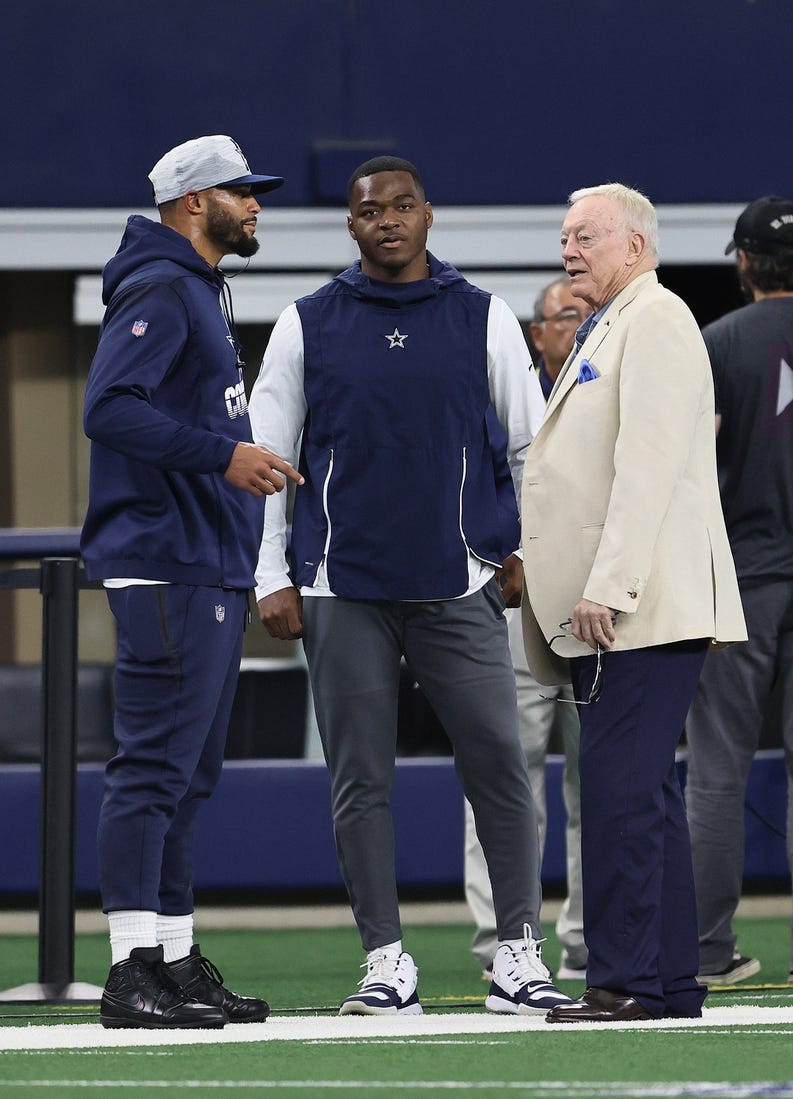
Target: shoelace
158,981
382,967
211,971
161,973
528,958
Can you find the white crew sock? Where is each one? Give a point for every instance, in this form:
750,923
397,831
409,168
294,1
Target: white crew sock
176,935
130,929
393,949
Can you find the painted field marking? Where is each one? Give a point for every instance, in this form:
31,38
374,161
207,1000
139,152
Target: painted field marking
366,1027
539,1089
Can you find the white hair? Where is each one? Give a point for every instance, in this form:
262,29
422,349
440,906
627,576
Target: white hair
638,213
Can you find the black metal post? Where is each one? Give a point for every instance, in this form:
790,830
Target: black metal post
59,587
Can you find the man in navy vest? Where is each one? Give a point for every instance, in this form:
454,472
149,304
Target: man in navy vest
403,545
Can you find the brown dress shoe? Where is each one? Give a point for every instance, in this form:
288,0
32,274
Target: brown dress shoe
598,1005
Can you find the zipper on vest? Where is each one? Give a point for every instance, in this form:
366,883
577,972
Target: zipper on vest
460,502
325,509
484,560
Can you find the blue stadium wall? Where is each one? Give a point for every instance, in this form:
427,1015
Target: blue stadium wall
498,101
267,827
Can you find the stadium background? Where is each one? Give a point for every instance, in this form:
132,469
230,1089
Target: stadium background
506,106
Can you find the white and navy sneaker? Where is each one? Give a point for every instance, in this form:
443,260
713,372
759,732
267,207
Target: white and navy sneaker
389,987
521,982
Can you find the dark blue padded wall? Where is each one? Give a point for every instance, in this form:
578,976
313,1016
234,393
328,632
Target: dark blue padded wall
268,827
499,101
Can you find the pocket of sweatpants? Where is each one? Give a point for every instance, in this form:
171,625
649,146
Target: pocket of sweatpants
150,618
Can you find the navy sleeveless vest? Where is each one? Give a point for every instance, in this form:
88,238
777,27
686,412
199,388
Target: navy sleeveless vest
401,478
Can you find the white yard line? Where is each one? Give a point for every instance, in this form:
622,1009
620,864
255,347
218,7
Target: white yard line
361,1028
538,1089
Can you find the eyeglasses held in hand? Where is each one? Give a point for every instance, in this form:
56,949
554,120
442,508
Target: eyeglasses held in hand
597,682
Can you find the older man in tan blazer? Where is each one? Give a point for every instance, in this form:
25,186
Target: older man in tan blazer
629,579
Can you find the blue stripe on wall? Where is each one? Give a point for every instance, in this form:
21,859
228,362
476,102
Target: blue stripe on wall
268,826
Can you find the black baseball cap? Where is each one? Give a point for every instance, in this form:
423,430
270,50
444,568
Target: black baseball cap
765,227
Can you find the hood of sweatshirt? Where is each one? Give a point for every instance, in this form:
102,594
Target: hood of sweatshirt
145,241
441,276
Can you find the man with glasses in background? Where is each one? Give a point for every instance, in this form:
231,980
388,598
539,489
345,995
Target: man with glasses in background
629,578
557,315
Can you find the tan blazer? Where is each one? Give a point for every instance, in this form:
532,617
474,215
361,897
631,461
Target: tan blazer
620,500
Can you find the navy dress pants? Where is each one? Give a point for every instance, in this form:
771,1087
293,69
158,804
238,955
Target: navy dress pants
640,919
177,666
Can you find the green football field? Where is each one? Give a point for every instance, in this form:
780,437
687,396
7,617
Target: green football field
743,1046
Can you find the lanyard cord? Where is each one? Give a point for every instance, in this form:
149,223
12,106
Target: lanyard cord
227,307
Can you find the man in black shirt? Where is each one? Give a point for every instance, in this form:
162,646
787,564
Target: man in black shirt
751,351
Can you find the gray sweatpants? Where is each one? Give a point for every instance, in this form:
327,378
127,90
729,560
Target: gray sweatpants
458,652
723,731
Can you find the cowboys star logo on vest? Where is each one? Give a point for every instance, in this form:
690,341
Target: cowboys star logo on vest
220,612
396,339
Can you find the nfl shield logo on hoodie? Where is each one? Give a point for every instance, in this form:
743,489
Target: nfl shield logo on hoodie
220,612
139,328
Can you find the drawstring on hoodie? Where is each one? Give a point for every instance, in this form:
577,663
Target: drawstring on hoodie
227,306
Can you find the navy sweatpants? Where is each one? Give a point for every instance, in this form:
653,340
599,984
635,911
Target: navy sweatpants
177,666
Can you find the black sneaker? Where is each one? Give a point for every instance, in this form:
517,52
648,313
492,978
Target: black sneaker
738,970
198,977
140,993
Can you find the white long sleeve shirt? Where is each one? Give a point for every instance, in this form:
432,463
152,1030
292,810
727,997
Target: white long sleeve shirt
278,412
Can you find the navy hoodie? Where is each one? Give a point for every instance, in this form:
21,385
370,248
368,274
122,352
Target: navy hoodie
165,407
